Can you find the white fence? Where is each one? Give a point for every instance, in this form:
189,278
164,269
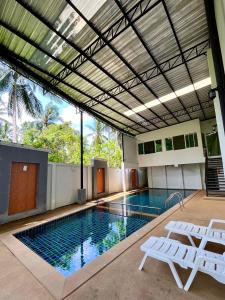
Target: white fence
64,182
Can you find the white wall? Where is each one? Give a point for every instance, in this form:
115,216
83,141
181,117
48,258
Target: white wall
64,181
115,180
173,157
130,152
174,177
190,176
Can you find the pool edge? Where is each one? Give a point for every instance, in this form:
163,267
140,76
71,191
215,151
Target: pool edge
60,286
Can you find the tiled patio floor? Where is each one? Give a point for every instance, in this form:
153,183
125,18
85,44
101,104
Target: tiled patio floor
121,278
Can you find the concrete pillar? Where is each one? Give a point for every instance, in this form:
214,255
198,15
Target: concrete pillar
217,107
219,8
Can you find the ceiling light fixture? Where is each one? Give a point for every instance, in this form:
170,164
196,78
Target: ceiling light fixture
186,90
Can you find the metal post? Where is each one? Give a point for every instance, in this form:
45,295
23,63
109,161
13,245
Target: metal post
81,191
81,151
123,167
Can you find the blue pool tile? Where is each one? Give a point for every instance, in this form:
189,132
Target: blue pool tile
71,242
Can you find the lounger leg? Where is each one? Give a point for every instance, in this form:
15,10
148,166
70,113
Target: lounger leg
190,279
143,261
169,233
175,275
203,244
191,240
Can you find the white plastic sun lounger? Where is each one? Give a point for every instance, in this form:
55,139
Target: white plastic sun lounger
172,251
206,233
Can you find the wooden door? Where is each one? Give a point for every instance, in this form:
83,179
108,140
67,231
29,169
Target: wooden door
133,178
23,187
100,180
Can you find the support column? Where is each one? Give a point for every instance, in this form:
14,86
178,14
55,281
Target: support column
215,19
81,191
123,168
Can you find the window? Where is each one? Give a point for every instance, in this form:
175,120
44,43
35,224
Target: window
178,142
191,140
140,148
149,147
158,146
169,144
196,139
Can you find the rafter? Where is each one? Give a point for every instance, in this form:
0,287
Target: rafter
166,66
180,49
179,113
136,12
21,68
75,47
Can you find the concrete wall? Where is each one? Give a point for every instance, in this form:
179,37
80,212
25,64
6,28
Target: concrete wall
130,152
190,176
217,107
173,157
15,153
115,180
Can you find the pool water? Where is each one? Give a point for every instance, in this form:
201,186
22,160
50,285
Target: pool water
151,201
71,242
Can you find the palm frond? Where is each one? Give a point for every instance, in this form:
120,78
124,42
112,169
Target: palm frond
27,100
6,82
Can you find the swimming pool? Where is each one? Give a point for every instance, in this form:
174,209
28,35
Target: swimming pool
151,201
71,242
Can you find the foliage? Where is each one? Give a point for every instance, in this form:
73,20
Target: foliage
62,141
50,115
21,97
64,144
5,132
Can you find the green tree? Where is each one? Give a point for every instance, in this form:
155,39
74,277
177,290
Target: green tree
62,141
98,134
5,132
21,97
50,115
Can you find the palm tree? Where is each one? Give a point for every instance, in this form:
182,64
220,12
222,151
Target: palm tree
5,131
21,97
97,133
50,115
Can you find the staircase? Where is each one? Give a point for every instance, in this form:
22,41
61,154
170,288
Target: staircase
214,177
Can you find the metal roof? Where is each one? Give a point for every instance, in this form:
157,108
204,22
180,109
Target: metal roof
111,56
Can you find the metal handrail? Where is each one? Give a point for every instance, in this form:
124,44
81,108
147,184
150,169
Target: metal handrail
180,199
142,206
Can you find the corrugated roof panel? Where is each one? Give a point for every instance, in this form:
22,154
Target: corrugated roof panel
189,22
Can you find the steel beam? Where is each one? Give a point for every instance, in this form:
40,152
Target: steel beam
136,12
179,113
75,47
28,40
21,68
125,62
180,49
166,66
147,49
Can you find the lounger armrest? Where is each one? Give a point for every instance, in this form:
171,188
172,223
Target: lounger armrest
213,221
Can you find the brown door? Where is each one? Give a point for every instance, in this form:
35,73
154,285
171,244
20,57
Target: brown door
23,187
100,180
133,178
